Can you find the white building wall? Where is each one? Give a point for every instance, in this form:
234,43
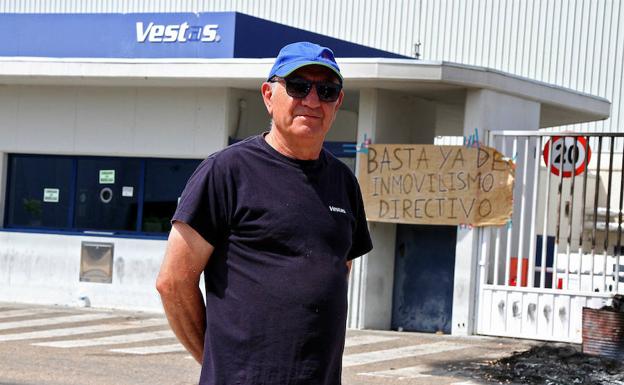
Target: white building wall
249,115
107,121
45,269
572,43
168,122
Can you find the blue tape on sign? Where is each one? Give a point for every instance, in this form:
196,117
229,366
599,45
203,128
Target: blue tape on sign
349,148
341,149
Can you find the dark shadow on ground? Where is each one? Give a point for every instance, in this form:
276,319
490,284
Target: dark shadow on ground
546,364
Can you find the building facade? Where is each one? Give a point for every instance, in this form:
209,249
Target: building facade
98,135
575,44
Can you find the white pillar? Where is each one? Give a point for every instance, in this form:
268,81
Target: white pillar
384,117
485,110
361,315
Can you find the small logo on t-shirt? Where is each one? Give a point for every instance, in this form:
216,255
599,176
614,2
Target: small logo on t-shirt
337,209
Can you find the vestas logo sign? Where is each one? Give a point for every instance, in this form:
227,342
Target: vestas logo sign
180,33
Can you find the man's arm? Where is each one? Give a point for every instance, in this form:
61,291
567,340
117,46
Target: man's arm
178,284
349,263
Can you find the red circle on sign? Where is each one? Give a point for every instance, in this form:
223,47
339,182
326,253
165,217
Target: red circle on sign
569,153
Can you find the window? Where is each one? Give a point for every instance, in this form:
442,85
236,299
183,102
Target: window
39,191
111,194
119,195
106,194
164,181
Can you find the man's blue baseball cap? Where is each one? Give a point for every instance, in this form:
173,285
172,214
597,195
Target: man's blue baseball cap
301,54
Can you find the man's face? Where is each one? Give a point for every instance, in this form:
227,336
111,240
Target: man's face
305,119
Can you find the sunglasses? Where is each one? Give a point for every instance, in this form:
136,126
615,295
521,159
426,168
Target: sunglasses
299,88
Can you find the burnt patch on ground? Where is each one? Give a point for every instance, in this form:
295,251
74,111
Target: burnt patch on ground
548,364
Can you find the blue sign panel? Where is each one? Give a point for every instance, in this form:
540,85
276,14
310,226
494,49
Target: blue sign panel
158,35
257,37
138,35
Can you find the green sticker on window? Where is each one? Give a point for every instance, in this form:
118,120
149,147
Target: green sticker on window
107,176
51,195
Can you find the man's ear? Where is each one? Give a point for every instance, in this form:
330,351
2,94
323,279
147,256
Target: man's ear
267,94
339,102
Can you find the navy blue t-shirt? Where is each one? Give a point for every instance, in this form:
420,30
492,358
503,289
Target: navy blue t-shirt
276,284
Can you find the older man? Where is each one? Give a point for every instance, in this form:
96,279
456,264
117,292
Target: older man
273,222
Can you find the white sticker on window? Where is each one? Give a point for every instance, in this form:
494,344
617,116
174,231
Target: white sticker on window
127,191
107,176
51,195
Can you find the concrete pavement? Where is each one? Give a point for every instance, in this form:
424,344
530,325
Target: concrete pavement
47,345
421,358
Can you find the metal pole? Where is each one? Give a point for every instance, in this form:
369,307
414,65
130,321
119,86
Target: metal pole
559,199
581,253
484,252
546,209
509,229
498,236
618,250
608,216
522,212
569,240
536,177
596,193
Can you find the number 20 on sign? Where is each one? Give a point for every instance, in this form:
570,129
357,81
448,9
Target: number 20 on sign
568,154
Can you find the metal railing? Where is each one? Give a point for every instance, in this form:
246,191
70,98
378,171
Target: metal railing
562,249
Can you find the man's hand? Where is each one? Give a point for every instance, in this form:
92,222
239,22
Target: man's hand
178,284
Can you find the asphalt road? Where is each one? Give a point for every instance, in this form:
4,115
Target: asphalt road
41,345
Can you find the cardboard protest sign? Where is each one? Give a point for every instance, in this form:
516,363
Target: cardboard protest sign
442,185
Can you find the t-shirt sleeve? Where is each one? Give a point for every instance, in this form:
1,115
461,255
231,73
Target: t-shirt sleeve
361,242
203,204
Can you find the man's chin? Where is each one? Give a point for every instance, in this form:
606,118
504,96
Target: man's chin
306,125
309,132
307,129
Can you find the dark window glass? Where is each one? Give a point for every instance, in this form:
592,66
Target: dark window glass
107,194
95,193
164,181
39,191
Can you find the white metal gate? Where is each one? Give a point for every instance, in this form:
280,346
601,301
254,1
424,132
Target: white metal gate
562,249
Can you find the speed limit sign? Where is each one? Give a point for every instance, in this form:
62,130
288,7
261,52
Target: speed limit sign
568,154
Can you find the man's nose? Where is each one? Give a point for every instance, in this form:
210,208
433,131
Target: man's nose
311,99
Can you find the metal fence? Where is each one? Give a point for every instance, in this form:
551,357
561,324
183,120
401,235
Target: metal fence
562,249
